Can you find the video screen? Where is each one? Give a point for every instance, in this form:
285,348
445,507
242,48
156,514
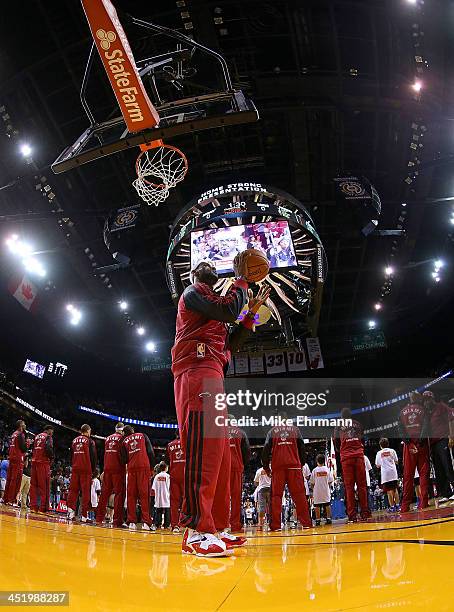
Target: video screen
220,245
35,369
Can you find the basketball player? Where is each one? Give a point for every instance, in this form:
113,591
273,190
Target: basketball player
441,421
137,452
413,420
239,457
43,453
176,460
17,450
284,450
201,353
113,481
349,440
83,461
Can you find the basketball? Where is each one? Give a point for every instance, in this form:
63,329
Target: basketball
257,266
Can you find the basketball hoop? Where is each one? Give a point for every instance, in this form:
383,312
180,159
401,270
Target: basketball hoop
159,167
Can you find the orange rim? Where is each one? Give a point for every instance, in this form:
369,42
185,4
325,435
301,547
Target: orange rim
154,145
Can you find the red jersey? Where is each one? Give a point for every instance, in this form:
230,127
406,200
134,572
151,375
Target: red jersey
285,446
201,337
43,448
351,440
413,418
239,448
137,446
17,447
83,453
112,462
176,459
440,417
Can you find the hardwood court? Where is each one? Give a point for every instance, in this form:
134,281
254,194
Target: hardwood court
386,563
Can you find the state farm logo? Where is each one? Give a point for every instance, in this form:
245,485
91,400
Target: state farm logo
78,447
106,38
285,435
111,444
179,454
133,444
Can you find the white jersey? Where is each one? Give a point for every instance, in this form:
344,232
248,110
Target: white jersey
321,479
161,488
368,468
386,460
262,479
95,487
306,476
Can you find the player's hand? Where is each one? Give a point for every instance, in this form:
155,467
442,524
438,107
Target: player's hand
257,301
239,264
413,450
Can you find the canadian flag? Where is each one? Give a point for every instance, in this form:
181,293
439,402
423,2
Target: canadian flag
25,292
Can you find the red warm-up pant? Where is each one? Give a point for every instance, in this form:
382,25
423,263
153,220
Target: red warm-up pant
354,472
139,489
411,461
236,489
40,487
80,482
112,482
206,496
13,481
293,477
176,499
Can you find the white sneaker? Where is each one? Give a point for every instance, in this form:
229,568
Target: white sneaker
145,527
153,527
231,541
203,545
443,500
132,526
176,529
71,514
451,498
85,519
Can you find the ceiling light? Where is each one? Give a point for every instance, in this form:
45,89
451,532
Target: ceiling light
417,86
378,306
389,270
26,150
141,331
150,347
438,264
372,324
123,305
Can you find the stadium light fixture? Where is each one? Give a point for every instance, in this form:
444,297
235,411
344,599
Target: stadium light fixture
123,305
75,314
141,331
33,265
417,86
26,150
372,324
378,306
389,270
438,264
150,347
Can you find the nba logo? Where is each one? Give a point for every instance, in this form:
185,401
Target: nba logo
201,350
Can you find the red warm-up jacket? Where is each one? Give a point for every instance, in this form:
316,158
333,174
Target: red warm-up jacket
202,337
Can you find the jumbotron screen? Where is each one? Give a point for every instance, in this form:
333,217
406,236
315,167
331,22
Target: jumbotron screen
35,369
220,245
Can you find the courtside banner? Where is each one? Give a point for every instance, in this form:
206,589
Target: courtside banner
116,55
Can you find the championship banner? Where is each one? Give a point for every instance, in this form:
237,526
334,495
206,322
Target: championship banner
315,354
118,60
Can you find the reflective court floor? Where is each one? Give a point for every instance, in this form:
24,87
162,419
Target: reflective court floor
384,564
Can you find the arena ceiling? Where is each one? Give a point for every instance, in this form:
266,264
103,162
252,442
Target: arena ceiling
333,84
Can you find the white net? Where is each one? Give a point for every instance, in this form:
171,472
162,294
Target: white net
158,170
149,193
